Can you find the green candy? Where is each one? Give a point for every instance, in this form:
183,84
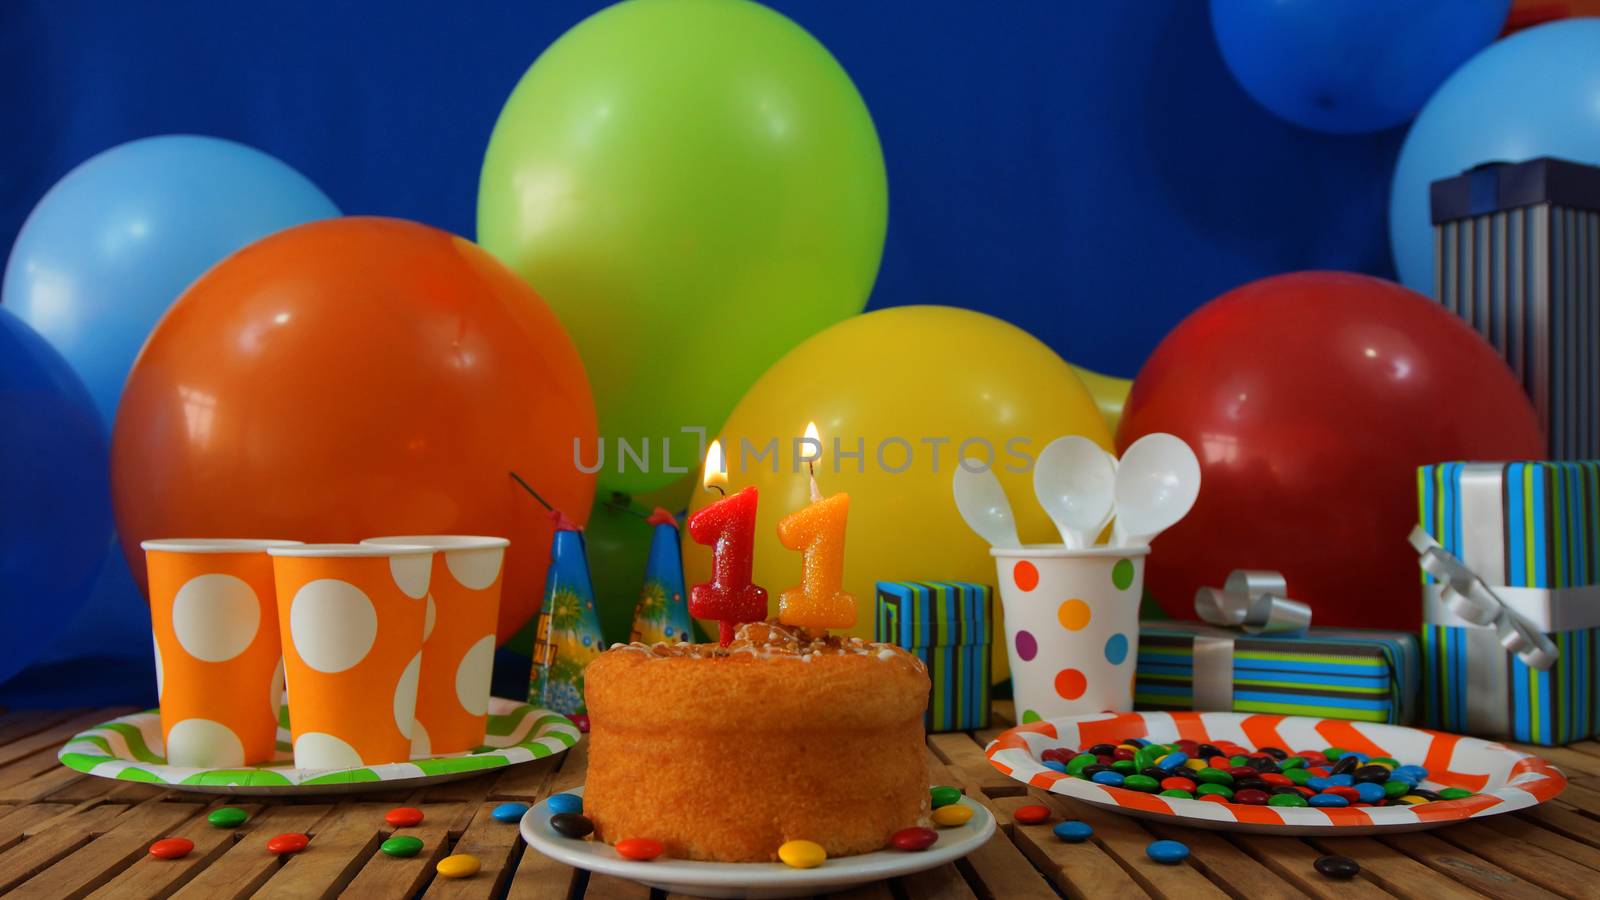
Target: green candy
1222,789
401,845
1287,800
1298,776
1146,756
1213,776
1141,783
1238,760
1293,762
1178,792
1076,764
1381,760
1454,794
944,795
1125,766
1333,753
228,817
1396,789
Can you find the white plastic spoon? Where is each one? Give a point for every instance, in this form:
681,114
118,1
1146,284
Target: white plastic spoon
984,506
1075,482
1157,482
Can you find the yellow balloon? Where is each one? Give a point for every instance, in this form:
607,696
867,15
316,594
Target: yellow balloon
1110,393
907,388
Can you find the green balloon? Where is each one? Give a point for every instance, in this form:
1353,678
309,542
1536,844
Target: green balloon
695,187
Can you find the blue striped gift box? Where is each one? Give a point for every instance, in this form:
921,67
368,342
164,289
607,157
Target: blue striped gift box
947,624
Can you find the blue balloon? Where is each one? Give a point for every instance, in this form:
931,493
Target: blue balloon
1350,66
1536,93
114,243
55,496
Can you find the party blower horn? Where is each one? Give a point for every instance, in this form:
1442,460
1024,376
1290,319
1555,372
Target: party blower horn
1072,609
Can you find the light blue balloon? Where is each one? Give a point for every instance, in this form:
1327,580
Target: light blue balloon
1535,93
114,243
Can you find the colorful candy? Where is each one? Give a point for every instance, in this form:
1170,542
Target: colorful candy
460,865
951,816
228,817
565,803
809,854
403,816
510,812
287,843
1073,831
913,839
1337,866
1167,852
944,795
639,849
401,846
572,825
171,848
1031,815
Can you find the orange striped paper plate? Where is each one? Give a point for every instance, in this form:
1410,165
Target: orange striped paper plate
1505,779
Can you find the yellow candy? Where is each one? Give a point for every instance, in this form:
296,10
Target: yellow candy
1126,747
1194,764
1413,799
465,865
951,816
806,854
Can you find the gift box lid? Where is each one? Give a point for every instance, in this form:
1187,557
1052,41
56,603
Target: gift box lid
934,613
1499,186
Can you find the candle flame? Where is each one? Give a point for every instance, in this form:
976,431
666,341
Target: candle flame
716,471
811,448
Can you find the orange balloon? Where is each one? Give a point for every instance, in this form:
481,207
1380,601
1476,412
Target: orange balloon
353,378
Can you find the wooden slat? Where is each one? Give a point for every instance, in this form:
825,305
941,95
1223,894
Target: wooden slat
1533,854
151,877
1226,864
52,737
39,852
1566,822
386,876
1294,861
605,887
1004,872
21,820
339,848
17,725
527,782
1122,837
538,877
1079,870
1461,866
960,751
1572,762
106,856
942,883
498,845
245,866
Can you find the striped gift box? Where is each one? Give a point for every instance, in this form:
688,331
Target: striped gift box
947,624
1531,530
1368,676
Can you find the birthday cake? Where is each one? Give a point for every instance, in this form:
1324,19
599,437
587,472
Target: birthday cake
726,752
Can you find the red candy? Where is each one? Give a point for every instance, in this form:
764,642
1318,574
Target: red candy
1176,783
641,849
403,816
1031,815
171,848
1250,797
1122,753
1273,778
1219,762
1104,760
1213,798
292,842
1242,772
1189,747
1058,754
1349,793
913,839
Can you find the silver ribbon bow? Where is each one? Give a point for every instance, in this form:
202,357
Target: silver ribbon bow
1255,602
1469,598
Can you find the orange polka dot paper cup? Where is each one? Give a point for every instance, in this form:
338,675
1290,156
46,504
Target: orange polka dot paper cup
219,669
458,640
351,618
1072,626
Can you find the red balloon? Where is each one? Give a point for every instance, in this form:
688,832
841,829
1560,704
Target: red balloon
1311,399
355,378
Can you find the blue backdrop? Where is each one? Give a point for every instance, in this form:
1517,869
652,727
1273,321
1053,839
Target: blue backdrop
1089,171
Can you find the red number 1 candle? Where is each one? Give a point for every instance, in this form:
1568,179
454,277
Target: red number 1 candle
817,531
728,528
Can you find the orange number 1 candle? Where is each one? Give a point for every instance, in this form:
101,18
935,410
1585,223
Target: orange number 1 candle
817,531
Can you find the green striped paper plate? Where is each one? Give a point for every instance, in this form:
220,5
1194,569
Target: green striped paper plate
129,748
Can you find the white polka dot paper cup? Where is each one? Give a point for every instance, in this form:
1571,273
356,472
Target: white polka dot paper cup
351,617
458,640
1072,626
219,668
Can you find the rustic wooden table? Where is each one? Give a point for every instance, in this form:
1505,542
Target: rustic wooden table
67,835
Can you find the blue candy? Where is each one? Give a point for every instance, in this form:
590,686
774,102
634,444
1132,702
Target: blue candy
1073,831
1341,780
1317,783
1168,852
1108,778
1410,774
510,812
1331,801
1055,765
565,803
1369,792
1173,760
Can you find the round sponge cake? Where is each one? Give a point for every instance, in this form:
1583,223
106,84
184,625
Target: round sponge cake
726,753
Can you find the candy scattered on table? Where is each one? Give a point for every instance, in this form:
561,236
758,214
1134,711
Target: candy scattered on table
511,812
571,825
565,803
913,839
1032,814
1167,852
171,848
460,865
951,816
401,845
809,854
944,796
403,816
1337,866
1225,772
639,849
285,844
1073,831
228,817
